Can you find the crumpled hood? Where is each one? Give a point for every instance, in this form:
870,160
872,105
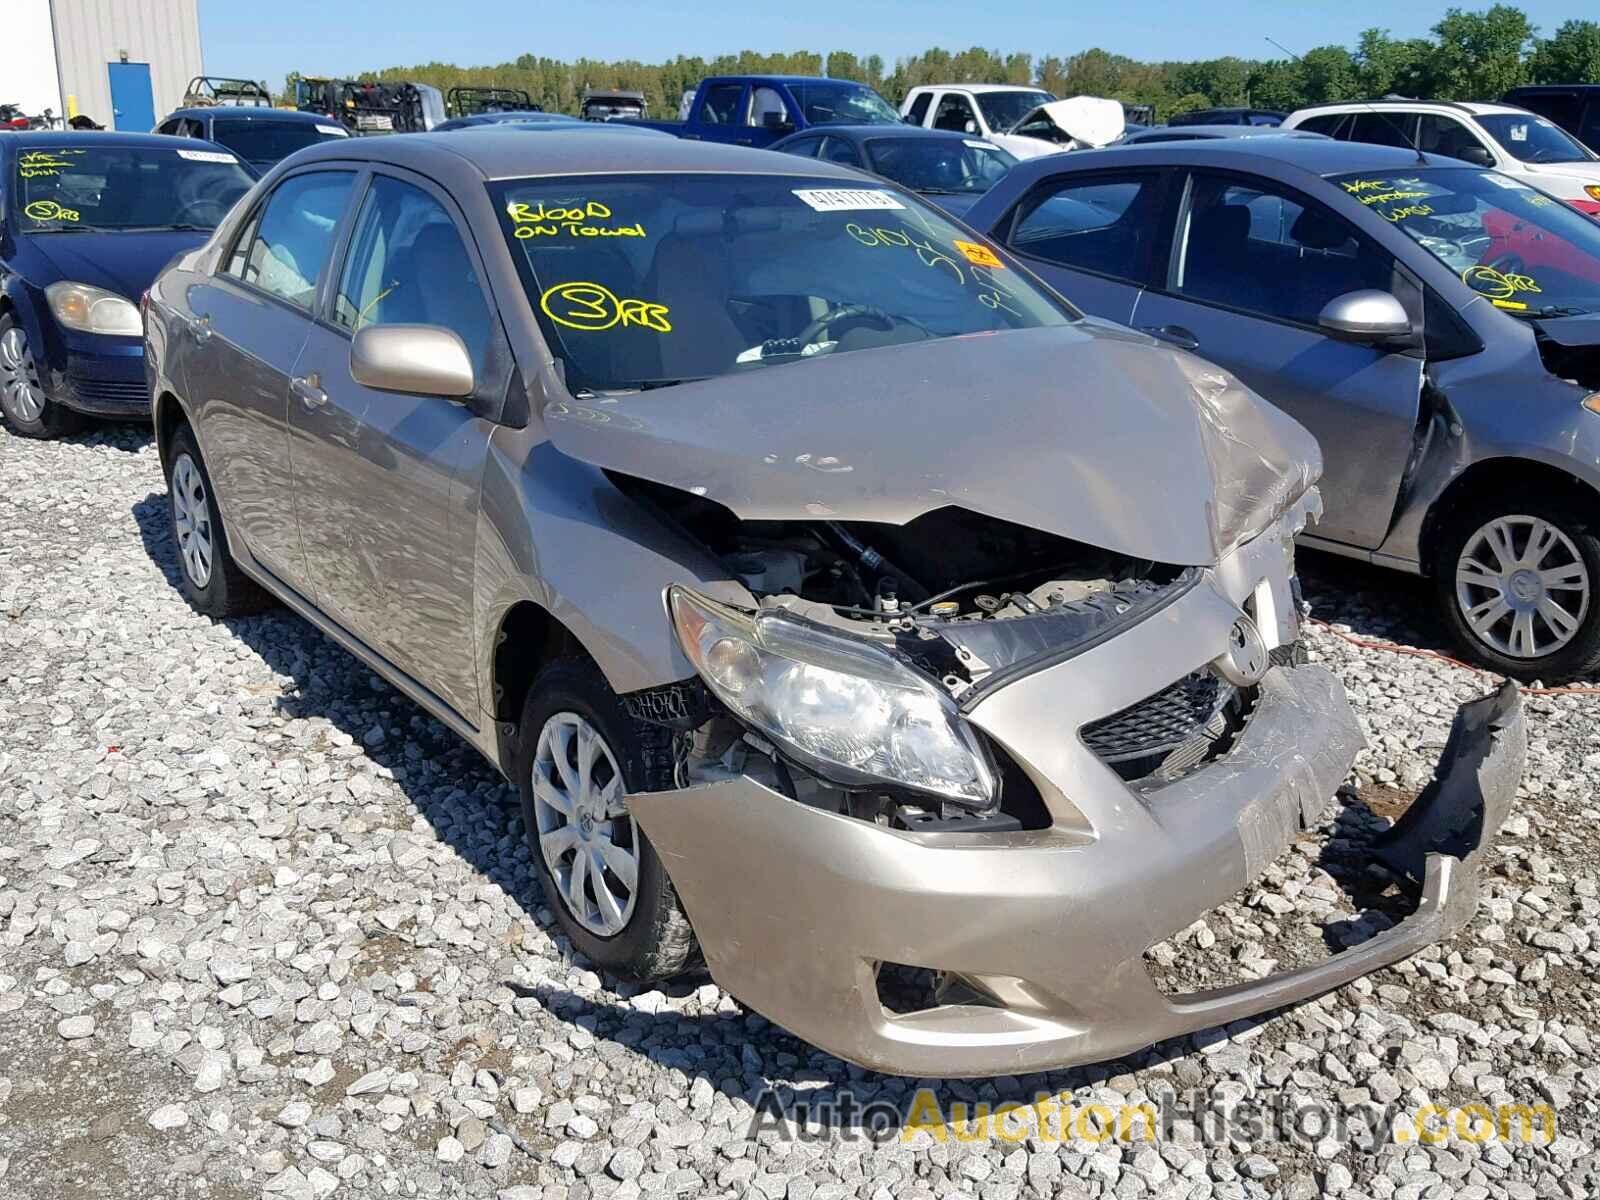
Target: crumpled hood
1088,120
124,263
1088,431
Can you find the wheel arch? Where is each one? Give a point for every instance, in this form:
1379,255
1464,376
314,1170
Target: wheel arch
527,638
169,415
1493,474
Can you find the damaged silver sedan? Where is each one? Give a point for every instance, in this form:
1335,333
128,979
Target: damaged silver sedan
839,599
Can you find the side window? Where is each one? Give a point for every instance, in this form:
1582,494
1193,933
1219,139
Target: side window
1327,123
294,235
169,127
837,150
1384,128
919,109
1254,247
239,259
407,266
956,114
1105,224
1444,135
192,129
721,105
765,102
805,147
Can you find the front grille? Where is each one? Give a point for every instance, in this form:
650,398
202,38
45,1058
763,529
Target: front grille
93,390
1162,722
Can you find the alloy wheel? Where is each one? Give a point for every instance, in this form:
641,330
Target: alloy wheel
191,520
1522,586
21,394
585,833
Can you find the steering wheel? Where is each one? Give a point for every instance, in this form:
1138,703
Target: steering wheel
843,312
210,212
1509,263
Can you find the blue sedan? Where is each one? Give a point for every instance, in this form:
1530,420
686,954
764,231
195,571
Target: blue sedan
950,169
89,220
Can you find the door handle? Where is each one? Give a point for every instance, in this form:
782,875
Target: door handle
1175,335
308,388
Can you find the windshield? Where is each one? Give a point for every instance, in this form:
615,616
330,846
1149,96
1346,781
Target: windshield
65,188
1002,110
1533,139
646,280
838,103
268,141
1526,252
948,166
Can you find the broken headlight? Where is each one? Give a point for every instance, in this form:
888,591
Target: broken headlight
846,709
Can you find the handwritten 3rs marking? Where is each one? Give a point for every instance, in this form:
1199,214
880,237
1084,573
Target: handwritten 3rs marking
593,308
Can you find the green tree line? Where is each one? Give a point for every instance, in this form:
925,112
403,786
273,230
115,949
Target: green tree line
1470,56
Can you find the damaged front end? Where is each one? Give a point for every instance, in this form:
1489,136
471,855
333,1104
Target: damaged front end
1010,785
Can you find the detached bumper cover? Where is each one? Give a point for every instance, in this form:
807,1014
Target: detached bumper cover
795,907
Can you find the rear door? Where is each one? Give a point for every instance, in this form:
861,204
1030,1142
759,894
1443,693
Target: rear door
250,322
385,483
1252,267
1094,236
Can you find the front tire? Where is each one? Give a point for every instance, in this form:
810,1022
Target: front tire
210,579
1516,581
29,413
579,755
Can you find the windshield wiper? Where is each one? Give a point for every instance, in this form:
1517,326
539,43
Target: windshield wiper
642,385
1549,310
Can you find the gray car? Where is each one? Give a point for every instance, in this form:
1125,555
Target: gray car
1434,324
734,507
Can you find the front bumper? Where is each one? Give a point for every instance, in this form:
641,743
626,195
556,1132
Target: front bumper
796,907
107,382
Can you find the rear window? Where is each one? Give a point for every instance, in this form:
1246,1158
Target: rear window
269,141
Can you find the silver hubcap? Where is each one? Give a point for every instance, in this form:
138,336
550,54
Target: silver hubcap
20,392
1522,586
191,520
585,833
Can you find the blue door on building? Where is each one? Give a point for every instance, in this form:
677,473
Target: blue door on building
133,103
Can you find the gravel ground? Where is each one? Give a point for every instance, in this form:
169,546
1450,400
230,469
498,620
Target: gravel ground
268,930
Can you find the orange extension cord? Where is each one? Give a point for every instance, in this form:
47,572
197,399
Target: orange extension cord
1365,644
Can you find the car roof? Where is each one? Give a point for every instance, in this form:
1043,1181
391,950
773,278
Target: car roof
71,137
1315,156
247,112
1473,107
493,154
764,77
1158,133
978,88
884,129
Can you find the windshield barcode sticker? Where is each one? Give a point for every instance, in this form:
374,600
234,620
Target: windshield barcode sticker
978,145
206,156
846,199
335,130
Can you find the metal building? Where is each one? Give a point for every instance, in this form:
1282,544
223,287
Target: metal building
123,63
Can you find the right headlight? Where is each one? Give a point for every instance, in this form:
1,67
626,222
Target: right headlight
846,709
89,309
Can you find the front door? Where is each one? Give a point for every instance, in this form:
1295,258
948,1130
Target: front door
1251,270
386,482
250,324
133,103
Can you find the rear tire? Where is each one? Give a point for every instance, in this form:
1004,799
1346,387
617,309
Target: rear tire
1518,583
27,411
618,907
209,578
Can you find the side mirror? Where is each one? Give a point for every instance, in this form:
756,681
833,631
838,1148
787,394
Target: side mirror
1365,316
1476,155
423,360
777,122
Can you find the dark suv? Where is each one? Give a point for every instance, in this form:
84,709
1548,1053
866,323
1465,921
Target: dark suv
1573,106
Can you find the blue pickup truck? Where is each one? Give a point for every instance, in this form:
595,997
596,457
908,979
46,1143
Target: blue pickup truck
757,110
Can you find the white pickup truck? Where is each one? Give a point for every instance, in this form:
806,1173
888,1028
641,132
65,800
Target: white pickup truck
1026,121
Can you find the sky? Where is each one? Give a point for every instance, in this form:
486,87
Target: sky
319,37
